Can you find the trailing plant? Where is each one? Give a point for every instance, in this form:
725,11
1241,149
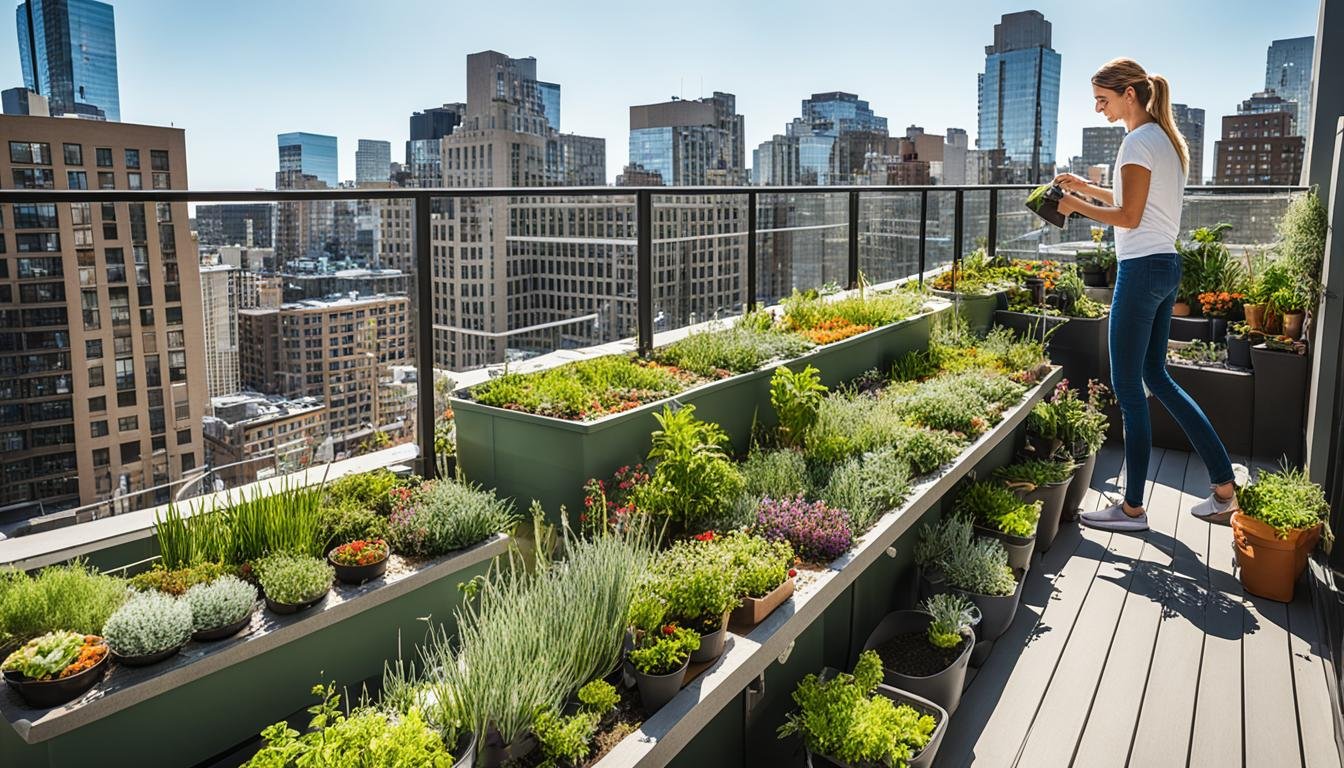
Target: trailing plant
1035,472
818,532
841,718
951,619
179,580
997,508
442,516
585,389
72,597
693,479
737,349
220,603
292,579
796,398
147,623
1287,501
55,655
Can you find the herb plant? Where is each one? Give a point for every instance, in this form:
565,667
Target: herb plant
585,389
951,619
665,651
998,508
693,478
757,565
444,515
148,623
1035,472
796,398
179,580
777,474
293,579
47,656
220,603
60,597
1287,501
817,532
738,349
980,567
696,582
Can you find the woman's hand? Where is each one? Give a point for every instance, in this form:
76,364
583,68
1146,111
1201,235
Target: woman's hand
1069,204
1072,182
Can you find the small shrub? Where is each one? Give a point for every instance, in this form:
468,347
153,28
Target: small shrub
951,618
1286,501
599,697
293,579
443,515
938,406
980,567
364,490
929,449
758,565
351,520
71,597
608,505
738,349
220,603
179,580
148,623
693,479
777,474
886,475
796,398
564,740
817,532
848,489
937,540
998,508
694,580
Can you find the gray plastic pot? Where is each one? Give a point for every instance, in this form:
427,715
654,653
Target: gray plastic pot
996,611
1052,506
926,755
1019,548
711,645
942,688
1082,480
656,690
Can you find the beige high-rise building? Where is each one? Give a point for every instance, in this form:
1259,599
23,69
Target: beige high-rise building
102,358
219,307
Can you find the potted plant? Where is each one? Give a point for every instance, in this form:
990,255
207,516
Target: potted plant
1000,514
1282,517
698,590
1042,481
1098,266
292,583
926,651
1290,303
855,720
1273,283
221,608
975,567
765,578
360,560
56,667
1218,306
977,286
660,657
148,628
1042,425
1240,339
1084,424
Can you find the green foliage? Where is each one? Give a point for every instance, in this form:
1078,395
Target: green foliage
886,477
738,349
998,508
693,480
564,740
60,597
365,490
778,474
583,389
444,515
842,718
1207,265
937,405
1035,472
796,398
695,581
351,521
599,697
179,580
952,615
980,566
1301,246
1286,501
936,540
147,623
1200,352
291,579
928,449
367,738
805,311
756,565
45,656
848,490
287,520
220,603
664,651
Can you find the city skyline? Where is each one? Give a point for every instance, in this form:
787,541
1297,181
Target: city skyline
233,148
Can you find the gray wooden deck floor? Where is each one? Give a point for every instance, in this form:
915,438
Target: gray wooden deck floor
1141,650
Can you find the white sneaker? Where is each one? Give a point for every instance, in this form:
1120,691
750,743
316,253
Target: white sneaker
1215,510
1114,518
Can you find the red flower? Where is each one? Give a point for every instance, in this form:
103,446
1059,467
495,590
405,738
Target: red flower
793,572
706,536
668,629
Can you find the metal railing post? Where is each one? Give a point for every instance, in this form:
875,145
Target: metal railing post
923,232
991,246
424,339
853,276
644,270
750,291
956,236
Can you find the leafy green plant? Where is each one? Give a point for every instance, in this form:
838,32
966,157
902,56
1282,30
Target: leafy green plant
350,520
179,580
285,520
693,479
757,565
292,579
60,597
697,583
886,478
952,615
980,567
937,540
1301,245
843,719
998,508
807,311
147,623
564,740
364,490
1200,353
1035,472
738,349
585,389
796,398
599,697
45,656
928,449
664,652
444,515
951,409
220,603
1207,265
1287,500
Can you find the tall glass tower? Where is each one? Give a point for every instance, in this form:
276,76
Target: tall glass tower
309,153
68,52
1288,73
373,161
1019,99
550,102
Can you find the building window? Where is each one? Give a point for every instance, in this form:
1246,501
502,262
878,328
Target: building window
152,376
29,242
161,180
107,180
41,293
132,181
188,462
74,154
125,373
133,159
130,452
31,152
96,376
119,306
128,423
93,349
122,345
158,159
37,216
76,180
34,178
100,455
104,157
184,437
177,365
126,399
97,404
116,265
147,316
92,321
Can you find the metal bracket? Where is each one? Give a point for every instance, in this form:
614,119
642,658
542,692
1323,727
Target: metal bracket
788,651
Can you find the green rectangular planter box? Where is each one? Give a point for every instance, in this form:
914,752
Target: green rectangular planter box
977,310
1282,381
215,696
525,456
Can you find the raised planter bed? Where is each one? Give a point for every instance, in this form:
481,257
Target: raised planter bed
978,310
1226,396
1190,329
1081,346
1280,418
213,696
526,456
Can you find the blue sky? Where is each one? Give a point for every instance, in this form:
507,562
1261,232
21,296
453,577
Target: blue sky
234,74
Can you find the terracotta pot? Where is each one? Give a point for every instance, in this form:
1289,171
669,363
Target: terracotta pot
1292,324
753,610
1255,316
1270,565
1180,309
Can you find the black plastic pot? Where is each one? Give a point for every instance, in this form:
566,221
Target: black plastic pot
925,707
997,611
930,582
44,694
1019,547
942,688
358,574
1189,329
711,645
1082,480
465,749
147,659
1280,411
656,690
1093,278
1052,507
224,632
288,608
1238,352
497,753
1217,328
1042,447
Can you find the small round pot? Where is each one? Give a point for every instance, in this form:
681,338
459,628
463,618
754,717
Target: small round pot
44,694
1292,324
942,688
1019,547
1270,566
288,608
1082,480
656,690
146,659
1051,497
1180,309
465,749
997,610
711,645
224,632
358,574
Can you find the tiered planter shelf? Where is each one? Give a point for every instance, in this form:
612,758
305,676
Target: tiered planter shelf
826,622
213,696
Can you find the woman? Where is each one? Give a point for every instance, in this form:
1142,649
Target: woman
1145,208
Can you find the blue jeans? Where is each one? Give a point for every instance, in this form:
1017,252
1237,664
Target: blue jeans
1145,290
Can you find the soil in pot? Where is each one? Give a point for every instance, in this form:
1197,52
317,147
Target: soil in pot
911,653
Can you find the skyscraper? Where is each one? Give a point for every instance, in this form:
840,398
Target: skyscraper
689,142
954,156
1101,144
1259,148
550,103
1288,73
817,145
373,161
424,150
1190,122
1268,102
1019,98
68,52
311,154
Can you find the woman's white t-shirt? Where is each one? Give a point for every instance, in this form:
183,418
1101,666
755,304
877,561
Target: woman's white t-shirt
1149,147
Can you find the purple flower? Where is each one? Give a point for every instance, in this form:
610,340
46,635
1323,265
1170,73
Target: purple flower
816,531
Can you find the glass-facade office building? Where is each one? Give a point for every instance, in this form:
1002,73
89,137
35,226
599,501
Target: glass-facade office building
309,153
844,112
1288,73
550,103
68,53
373,161
652,148
1019,112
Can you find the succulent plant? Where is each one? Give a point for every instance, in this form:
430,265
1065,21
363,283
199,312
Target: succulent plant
221,602
147,623
292,579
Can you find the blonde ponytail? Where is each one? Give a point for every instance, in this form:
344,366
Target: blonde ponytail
1152,91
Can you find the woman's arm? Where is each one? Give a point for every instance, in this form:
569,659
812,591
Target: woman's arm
1128,215
1074,183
